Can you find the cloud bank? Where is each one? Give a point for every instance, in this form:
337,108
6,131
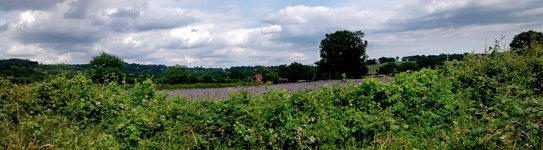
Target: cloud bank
194,33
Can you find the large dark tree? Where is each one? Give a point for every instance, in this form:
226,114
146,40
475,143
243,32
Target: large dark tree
526,40
107,67
343,52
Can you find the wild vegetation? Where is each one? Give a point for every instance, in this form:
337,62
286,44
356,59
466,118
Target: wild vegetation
490,101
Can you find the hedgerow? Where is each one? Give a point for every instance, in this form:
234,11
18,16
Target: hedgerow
491,101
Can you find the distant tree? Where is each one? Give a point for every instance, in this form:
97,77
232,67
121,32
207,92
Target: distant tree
371,61
343,52
268,75
107,67
14,62
440,57
430,62
456,57
526,40
383,60
387,69
207,78
21,70
176,75
408,65
297,71
235,74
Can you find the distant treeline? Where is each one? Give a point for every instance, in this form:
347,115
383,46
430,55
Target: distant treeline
391,65
440,57
26,71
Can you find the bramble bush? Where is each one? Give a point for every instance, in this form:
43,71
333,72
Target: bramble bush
491,101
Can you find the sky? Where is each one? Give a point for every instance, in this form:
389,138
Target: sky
224,33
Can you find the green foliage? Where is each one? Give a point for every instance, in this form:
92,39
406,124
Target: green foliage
20,71
371,62
430,62
440,57
343,52
269,75
383,60
297,71
491,101
526,40
107,67
388,68
406,66
176,75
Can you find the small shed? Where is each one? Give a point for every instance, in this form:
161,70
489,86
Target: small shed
258,77
283,80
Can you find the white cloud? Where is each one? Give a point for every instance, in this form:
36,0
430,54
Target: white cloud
194,33
191,36
297,56
271,29
26,17
438,5
302,20
24,50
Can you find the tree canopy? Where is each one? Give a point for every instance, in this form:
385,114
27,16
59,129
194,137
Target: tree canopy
409,65
343,52
297,71
526,39
107,67
383,60
388,68
177,74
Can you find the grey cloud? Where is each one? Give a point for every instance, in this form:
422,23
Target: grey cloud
28,4
139,19
54,32
306,26
3,25
58,33
62,37
78,9
300,40
473,13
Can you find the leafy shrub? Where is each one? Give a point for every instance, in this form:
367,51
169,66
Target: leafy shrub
388,68
491,101
406,66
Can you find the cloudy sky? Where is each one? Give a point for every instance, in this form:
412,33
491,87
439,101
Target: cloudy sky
223,33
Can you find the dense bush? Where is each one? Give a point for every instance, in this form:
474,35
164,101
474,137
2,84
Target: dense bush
388,68
485,102
106,67
408,66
